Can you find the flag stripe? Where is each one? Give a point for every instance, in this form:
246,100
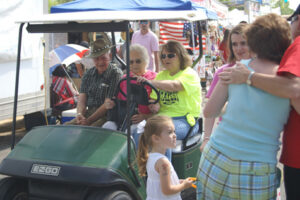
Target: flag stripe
169,31
174,31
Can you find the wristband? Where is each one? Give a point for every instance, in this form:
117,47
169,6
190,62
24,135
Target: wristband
249,82
78,114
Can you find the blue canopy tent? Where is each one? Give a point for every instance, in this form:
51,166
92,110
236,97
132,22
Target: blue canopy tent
131,5
209,13
92,5
151,10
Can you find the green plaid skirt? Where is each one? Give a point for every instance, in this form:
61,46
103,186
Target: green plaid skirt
220,177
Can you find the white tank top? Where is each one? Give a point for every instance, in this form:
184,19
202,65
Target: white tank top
154,191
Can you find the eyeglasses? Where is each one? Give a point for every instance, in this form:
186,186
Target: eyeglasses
137,61
143,22
295,18
169,55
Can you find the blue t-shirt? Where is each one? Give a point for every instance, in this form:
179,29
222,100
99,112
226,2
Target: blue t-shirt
252,123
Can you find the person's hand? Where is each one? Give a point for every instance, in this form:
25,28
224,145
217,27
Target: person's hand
85,122
79,119
154,108
141,79
235,75
109,104
137,118
187,183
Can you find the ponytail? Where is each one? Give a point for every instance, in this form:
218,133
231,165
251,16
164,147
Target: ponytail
142,155
154,126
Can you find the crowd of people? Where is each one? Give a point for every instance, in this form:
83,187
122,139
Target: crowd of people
254,96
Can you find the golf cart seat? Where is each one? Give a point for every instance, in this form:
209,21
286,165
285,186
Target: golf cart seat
189,141
186,155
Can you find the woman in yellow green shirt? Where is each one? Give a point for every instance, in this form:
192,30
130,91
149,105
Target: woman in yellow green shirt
179,88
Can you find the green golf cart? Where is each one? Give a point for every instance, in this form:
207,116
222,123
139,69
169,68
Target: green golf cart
80,162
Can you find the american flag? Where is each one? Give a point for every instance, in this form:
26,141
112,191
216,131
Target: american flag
176,31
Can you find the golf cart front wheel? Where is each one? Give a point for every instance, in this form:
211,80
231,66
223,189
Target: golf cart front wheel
110,195
13,189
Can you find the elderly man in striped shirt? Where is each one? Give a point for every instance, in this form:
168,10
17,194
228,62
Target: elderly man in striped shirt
98,83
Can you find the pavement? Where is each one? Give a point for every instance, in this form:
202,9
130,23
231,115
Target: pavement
5,136
7,124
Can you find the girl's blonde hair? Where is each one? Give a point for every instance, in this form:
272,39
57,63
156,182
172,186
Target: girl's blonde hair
154,126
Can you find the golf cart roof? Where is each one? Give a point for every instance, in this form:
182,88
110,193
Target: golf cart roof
115,16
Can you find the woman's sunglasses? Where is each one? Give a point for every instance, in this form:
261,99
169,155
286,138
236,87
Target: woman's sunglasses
169,55
137,61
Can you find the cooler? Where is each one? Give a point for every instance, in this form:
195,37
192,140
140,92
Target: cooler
68,115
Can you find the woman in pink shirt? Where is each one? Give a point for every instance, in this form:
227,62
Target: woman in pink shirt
238,50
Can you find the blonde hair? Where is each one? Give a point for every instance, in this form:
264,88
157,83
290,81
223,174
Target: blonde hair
154,126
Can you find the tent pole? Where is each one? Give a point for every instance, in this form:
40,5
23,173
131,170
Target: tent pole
193,36
129,99
13,136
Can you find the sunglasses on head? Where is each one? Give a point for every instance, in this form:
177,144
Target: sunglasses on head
169,55
295,18
137,61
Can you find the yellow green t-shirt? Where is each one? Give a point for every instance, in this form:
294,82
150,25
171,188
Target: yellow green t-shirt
176,104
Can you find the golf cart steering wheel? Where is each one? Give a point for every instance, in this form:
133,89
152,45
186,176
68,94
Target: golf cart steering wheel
141,88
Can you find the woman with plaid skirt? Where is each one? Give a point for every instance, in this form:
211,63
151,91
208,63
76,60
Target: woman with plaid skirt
239,161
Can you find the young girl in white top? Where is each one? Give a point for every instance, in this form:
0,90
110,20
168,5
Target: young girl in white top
162,182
